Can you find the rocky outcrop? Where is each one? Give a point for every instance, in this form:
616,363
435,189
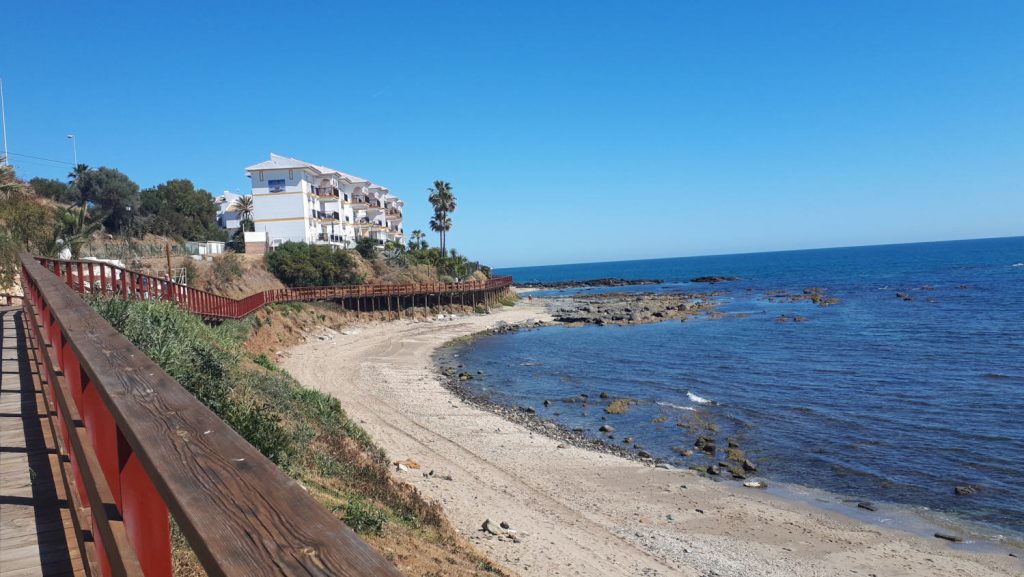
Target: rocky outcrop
714,279
625,309
597,282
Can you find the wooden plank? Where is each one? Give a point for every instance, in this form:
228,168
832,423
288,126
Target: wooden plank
241,514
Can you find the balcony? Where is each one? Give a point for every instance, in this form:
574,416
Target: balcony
327,191
393,214
331,238
326,215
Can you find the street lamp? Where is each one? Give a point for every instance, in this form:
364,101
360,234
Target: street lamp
74,147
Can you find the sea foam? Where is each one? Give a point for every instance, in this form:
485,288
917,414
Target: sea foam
698,399
674,406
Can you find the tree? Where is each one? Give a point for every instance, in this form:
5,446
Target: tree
417,240
441,223
298,264
55,189
25,224
77,173
177,209
443,201
244,206
73,229
110,192
366,247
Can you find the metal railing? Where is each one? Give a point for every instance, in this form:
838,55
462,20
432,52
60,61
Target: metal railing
90,277
135,448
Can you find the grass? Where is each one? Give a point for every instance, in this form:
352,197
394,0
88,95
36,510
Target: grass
305,432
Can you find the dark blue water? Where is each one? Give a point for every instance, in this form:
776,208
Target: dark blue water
874,398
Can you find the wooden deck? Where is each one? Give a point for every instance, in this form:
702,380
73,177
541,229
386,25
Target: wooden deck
35,523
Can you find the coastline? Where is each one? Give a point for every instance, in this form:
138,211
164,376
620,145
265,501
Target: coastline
583,512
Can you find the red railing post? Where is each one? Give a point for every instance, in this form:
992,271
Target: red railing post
145,515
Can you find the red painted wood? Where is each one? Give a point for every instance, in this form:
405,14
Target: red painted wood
144,512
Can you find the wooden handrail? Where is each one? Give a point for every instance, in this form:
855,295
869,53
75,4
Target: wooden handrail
99,277
140,446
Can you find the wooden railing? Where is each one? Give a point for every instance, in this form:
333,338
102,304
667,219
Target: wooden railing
136,447
93,277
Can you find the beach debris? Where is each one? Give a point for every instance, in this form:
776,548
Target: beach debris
948,537
408,463
962,490
504,525
867,505
701,511
489,526
401,468
756,485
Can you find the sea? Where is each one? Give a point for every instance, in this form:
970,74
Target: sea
895,400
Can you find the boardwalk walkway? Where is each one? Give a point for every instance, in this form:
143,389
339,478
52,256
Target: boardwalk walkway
35,524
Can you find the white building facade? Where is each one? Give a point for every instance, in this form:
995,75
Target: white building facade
298,201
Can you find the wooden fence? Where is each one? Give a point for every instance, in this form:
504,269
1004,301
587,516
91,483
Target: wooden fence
92,277
136,448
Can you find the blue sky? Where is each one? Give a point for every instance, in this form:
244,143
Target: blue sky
571,132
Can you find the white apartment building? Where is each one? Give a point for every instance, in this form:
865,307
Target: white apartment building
304,202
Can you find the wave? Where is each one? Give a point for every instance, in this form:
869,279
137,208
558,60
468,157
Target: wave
698,399
674,406
1019,264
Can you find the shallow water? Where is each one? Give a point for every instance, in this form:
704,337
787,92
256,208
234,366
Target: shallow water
873,398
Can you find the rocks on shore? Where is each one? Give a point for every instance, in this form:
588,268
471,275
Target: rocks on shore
623,309
597,282
715,279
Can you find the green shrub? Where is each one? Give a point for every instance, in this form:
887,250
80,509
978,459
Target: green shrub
264,361
363,518
366,247
508,301
480,310
261,427
299,264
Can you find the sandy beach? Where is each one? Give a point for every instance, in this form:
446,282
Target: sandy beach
580,512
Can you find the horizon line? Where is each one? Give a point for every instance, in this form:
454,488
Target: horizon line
502,268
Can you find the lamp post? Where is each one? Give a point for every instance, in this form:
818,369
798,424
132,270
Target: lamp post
129,209
74,148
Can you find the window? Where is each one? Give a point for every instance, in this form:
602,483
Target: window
290,177
276,185
261,176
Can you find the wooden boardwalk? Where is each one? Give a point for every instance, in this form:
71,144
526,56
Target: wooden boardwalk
35,523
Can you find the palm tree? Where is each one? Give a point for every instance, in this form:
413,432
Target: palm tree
78,172
417,241
73,230
443,201
244,206
441,223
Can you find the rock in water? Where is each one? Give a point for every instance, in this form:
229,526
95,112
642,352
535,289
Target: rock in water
748,465
948,537
867,505
965,490
607,429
